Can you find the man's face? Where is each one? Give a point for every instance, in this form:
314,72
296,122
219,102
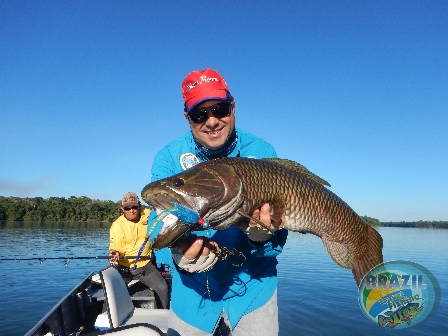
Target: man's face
131,213
213,132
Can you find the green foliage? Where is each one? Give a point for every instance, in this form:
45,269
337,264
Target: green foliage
371,221
419,224
58,209
85,209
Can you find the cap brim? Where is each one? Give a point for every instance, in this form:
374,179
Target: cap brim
211,95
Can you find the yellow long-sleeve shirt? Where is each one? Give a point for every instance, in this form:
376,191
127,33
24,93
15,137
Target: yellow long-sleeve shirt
127,237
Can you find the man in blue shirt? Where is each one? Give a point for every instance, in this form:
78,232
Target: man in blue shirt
212,296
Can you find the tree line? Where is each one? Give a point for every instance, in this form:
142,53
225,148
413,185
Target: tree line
84,209
419,224
371,221
58,209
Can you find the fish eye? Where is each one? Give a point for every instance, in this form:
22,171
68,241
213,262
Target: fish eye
178,182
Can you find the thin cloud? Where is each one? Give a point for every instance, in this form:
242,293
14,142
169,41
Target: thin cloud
25,189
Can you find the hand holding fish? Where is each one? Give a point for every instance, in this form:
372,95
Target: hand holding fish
195,254
254,231
193,246
199,254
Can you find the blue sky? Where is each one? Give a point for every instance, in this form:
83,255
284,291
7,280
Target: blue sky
357,91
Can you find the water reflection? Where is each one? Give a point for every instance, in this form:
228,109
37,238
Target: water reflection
315,296
53,225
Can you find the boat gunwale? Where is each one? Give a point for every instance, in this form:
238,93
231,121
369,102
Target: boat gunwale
79,286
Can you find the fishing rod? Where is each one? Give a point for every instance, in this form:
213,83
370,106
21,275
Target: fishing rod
187,216
41,259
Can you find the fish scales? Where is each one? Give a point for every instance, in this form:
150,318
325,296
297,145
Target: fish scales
313,199
221,189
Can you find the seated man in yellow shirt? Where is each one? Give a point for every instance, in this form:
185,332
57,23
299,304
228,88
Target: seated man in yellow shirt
127,235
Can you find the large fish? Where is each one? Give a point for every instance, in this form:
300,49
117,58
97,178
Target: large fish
225,190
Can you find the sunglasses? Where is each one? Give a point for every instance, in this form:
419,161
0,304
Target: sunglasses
135,207
220,110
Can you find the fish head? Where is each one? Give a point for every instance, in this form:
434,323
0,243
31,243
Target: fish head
212,189
205,188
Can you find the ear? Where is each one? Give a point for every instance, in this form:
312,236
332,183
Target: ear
188,119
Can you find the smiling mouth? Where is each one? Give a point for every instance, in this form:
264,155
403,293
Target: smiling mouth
214,132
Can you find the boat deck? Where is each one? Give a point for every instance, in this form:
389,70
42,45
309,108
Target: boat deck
141,296
75,314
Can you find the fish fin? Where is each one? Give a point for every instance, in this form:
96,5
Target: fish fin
340,253
297,167
371,257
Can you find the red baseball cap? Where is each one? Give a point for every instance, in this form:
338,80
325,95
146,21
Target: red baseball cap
203,85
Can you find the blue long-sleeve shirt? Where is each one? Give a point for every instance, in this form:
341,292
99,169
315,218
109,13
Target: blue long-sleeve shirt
237,290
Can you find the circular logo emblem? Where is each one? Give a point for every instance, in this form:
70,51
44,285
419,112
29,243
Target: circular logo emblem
399,294
188,160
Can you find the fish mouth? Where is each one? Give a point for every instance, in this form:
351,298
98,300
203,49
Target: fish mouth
162,201
171,234
172,228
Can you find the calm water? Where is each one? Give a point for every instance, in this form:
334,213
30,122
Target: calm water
316,297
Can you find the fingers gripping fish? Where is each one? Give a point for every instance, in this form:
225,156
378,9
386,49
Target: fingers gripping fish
225,190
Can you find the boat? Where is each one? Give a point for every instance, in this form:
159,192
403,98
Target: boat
106,303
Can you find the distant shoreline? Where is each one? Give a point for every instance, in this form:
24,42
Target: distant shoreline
88,211
419,224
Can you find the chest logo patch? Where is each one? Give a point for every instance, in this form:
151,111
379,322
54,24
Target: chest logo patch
188,160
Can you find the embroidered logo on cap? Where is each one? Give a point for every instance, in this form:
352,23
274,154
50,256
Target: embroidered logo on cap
202,79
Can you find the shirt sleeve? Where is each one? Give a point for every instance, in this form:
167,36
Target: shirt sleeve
116,235
273,247
163,165
255,147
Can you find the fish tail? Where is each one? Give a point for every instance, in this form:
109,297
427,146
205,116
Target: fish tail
371,257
